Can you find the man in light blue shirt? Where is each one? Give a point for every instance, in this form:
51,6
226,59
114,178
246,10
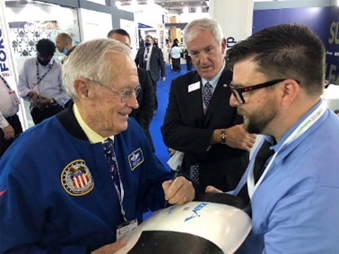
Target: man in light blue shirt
294,194
40,83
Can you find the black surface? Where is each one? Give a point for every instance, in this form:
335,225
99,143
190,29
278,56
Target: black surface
169,242
222,198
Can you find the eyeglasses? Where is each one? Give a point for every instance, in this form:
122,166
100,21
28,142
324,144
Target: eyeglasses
237,92
124,94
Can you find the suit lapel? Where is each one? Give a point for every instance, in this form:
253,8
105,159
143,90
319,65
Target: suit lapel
195,97
220,95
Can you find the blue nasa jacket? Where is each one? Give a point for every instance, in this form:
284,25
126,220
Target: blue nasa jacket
57,195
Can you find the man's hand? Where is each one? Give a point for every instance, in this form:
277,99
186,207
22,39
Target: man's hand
8,132
110,248
179,191
237,137
212,189
163,79
34,97
171,151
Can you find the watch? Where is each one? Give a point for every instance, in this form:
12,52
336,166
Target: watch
223,136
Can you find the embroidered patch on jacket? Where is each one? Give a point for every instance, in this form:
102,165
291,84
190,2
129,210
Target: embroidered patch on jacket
135,158
76,178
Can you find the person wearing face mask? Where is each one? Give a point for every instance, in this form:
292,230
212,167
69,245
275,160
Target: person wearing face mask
40,83
64,44
151,59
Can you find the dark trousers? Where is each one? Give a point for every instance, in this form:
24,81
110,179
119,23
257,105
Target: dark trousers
176,64
39,115
5,143
188,62
155,87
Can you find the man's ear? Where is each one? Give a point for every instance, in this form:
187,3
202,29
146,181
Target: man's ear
290,91
81,87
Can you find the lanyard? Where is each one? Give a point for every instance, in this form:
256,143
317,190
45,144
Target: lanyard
5,82
301,129
37,71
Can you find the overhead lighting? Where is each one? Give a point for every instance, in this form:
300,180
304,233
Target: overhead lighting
134,3
150,2
118,4
185,9
198,9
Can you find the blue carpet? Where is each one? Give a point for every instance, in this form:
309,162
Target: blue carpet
163,93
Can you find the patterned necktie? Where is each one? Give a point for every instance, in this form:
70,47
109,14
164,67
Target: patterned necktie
207,95
112,161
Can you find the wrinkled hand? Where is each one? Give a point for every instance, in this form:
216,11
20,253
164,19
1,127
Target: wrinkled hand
237,137
8,132
178,192
212,189
163,79
171,151
110,248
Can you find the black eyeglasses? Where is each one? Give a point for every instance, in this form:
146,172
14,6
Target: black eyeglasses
124,94
237,92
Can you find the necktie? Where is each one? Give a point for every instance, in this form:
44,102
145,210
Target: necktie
112,161
207,94
260,160
259,167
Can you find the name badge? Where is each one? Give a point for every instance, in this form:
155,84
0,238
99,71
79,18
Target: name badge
194,86
14,98
125,228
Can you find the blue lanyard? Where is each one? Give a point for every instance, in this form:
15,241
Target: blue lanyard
37,71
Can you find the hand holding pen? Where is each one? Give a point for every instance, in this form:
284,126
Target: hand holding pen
179,190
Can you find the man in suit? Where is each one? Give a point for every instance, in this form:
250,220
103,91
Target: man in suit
151,59
144,113
198,122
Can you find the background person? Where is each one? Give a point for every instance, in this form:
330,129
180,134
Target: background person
198,122
151,59
9,121
65,186
40,83
144,113
294,191
64,44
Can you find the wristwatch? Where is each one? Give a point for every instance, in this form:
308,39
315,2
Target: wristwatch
223,136
51,101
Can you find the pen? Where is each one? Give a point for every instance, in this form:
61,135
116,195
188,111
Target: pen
176,172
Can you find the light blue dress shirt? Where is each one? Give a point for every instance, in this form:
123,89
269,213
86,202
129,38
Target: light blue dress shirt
295,209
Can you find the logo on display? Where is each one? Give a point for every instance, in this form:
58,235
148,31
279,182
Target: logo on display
196,210
135,158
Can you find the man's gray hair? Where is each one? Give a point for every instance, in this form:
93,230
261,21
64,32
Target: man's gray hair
91,60
194,27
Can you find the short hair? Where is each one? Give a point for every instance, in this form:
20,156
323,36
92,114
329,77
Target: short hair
92,60
149,36
45,48
119,31
285,51
66,37
192,29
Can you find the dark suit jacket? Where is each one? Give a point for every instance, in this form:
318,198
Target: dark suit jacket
187,129
156,62
144,114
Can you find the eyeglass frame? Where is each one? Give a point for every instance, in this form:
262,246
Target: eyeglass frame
239,91
120,93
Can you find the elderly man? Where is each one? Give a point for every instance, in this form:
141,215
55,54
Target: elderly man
91,172
293,178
